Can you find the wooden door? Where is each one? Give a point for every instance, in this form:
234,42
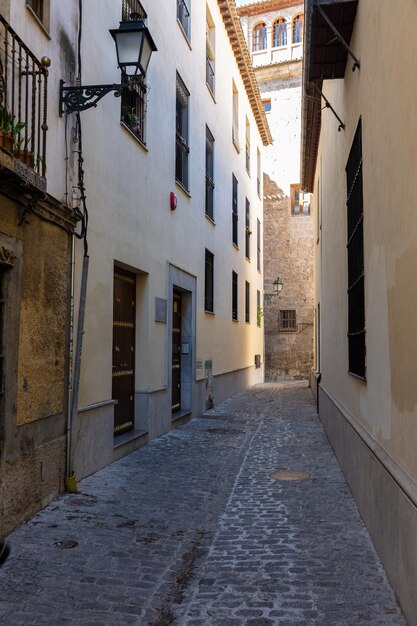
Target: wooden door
176,351
123,371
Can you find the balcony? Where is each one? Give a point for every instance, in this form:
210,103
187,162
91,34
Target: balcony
23,109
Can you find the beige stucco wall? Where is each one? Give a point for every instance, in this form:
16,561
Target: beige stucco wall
382,94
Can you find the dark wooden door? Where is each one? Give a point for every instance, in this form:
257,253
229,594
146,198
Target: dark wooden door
176,351
123,371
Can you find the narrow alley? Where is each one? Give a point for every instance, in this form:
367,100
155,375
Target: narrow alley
240,517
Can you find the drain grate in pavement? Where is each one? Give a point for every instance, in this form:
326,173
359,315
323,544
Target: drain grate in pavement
68,543
290,475
224,431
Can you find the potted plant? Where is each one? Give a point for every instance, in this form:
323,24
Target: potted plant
20,147
6,129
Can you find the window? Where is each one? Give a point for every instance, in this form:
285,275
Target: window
258,308
300,203
234,297
182,148
287,320
247,302
258,245
209,282
279,33
209,174
235,121
297,29
247,146
184,16
235,215
248,231
356,275
267,105
132,6
258,171
210,51
133,108
41,9
259,37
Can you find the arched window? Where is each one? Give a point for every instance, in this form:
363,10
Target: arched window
259,37
279,33
297,29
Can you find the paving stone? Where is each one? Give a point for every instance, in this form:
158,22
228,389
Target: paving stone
192,530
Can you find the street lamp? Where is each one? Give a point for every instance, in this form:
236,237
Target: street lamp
134,47
277,285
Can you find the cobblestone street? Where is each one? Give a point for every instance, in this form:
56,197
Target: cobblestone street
201,528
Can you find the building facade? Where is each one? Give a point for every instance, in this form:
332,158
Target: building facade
148,315
36,226
359,146
274,32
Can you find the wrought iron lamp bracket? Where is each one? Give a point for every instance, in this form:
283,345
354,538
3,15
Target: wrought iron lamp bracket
329,106
81,98
338,36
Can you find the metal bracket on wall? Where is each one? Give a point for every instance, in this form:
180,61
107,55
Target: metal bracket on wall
80,98
329,106
326,18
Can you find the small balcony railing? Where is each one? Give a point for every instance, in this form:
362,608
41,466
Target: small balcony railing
23,101
209,74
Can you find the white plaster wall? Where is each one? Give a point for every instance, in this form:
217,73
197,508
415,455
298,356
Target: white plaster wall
128,197
386,405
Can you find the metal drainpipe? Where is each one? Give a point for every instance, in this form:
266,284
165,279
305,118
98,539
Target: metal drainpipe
70,360
70,478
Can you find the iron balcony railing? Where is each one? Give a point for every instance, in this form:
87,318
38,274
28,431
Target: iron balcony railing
23,101
209,196
209,74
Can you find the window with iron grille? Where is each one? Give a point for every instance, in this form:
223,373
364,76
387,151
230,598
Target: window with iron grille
209,282
209,174
279,33
132,6
235,215
247,146
297,29
288,320
235,118
210,50
259,37
248,231
38,7
184,16
133,108
2,313
234,296
258,245
355,251
247,302
259,312
258,172
182,150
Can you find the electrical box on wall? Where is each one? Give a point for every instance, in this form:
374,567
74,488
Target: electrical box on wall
172,201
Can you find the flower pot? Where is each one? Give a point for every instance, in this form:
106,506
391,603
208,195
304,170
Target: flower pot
6,141
26,156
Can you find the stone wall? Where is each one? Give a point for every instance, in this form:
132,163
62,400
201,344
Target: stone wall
288,253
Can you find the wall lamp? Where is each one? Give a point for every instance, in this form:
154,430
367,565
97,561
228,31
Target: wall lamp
277,287
134,47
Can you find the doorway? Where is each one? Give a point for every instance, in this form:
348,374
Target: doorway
123,365
176,350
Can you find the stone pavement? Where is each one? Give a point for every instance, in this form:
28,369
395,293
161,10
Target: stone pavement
200,528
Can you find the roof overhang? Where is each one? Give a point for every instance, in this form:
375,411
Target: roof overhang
240,49
325,57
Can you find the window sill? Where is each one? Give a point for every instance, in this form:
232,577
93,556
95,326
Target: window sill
211,220
184,34
235,321
236,145
362,378
236,247
248,259
183,189
211,313
135,137
38,21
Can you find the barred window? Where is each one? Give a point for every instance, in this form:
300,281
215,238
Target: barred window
209,282
235,215
133,108
132,6
182,148
41,9
209,174
184,16
247,302
355,251
248,231
279,33
258,245
210,50
234,296
287,320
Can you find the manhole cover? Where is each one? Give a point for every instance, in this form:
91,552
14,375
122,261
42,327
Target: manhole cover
289,475
224,431
68,543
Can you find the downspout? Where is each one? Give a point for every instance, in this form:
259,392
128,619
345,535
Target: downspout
70,365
